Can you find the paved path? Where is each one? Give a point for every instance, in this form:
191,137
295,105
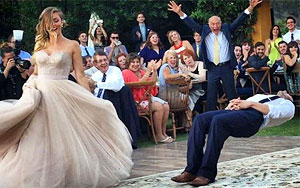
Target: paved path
278,169
168,157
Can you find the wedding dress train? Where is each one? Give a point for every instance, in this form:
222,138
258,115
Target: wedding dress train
59,135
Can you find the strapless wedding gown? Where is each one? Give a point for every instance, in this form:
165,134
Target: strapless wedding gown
60,135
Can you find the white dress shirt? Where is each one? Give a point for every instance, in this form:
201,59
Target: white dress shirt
223,44
114,80
287,37
90,71
280,110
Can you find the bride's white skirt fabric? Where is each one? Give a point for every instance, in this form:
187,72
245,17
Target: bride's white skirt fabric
60,135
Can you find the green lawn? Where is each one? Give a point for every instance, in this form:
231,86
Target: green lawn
290,128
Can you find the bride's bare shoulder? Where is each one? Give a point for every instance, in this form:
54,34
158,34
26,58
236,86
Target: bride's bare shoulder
71,43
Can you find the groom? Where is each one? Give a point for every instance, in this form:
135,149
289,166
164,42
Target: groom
242,118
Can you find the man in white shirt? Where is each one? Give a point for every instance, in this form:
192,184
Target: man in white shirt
294,33
110,86
243,118
85,50
107,77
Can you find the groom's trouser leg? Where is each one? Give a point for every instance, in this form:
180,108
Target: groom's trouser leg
241,123
196,140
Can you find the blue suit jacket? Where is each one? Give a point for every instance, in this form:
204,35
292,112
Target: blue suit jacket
137,41
226,28
195,50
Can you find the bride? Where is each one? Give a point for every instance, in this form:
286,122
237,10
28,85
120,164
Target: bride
58,134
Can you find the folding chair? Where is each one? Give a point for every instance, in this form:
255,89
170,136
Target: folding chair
293,83
177,96
145,113
261,81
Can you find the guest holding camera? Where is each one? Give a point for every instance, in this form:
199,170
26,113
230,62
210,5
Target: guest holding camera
99,37
114,48
17,45
12,74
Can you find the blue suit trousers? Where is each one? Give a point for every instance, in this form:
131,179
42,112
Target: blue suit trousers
214,75
218,125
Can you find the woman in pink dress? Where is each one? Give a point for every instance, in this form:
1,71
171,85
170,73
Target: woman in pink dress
135,73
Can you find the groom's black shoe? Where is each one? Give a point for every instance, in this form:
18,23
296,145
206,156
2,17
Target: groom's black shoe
184,177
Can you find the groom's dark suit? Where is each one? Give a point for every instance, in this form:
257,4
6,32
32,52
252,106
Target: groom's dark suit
224,71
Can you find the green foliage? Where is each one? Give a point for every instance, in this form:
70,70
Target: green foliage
282,25
227,10
283,9
118,15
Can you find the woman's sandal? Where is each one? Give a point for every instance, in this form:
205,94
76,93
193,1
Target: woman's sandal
167,140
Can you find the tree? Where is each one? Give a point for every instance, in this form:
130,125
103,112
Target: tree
283,9
227,10
118,16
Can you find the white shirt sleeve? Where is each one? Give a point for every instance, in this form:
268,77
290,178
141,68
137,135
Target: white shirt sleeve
280,111
114,79
184,16
246,11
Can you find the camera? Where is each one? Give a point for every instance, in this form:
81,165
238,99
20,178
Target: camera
99,21
117,43
18,45
25,64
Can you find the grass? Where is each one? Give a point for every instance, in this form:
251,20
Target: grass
290,128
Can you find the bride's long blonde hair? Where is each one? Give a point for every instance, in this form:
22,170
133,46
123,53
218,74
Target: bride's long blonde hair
44,28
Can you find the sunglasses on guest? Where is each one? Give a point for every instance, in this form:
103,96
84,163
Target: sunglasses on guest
114,37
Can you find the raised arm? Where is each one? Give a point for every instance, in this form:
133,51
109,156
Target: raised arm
253,4
148,72
241,18
268,47
103,31
187,20
90,31
155,66
77,64
291,61
175,8
110,53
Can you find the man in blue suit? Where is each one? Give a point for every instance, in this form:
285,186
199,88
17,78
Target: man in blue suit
217,50
140,32
197,45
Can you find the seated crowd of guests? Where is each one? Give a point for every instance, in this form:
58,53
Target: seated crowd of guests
110,67
280,54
